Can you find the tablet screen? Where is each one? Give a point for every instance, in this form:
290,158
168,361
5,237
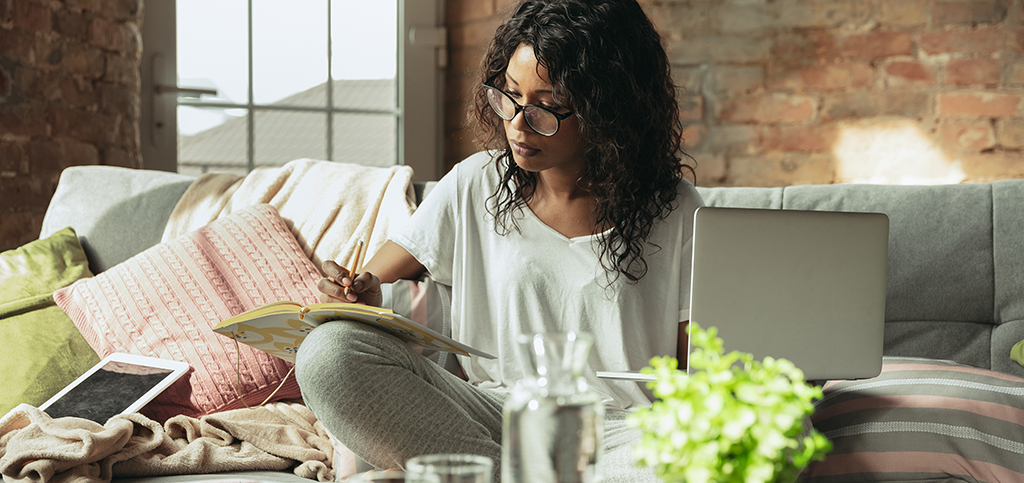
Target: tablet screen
110,389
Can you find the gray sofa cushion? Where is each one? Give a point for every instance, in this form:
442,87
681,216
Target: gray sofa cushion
117,212
956,261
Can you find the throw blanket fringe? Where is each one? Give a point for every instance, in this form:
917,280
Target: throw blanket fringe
35,448
329,206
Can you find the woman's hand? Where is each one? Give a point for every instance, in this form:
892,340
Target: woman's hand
364,289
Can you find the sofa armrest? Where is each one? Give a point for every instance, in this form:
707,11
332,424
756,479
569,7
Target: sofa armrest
116,212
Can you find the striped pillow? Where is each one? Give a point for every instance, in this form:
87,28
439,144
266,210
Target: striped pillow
922,420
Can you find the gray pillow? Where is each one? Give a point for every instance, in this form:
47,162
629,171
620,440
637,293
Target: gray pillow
117,212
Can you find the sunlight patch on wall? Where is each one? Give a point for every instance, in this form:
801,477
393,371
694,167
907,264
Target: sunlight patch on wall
892,152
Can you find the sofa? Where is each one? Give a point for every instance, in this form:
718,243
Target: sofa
948,406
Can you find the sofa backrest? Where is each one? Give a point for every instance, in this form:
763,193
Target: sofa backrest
116,212
955,285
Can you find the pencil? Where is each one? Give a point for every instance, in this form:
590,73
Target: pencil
355,262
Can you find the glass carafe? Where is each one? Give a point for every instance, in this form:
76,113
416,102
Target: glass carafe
553,427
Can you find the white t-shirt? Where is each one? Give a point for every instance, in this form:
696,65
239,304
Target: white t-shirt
537,280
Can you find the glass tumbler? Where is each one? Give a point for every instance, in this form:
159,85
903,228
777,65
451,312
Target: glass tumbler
449,468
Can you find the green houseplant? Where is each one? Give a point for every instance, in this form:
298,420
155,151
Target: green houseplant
727,424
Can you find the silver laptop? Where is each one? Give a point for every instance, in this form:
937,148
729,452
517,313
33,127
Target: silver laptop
808,286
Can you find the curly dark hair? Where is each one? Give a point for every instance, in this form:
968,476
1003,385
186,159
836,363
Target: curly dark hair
605,61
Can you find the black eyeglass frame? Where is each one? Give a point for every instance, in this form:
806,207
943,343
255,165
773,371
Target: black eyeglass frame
559,117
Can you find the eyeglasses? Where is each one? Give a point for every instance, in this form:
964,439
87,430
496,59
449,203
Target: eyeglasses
542,120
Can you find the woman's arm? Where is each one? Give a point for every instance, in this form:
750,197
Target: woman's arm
389,264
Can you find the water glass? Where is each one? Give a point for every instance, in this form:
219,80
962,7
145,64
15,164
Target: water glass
389,476
449,468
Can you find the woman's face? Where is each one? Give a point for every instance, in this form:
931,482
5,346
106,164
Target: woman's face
526,81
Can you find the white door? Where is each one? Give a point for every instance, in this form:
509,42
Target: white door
229,85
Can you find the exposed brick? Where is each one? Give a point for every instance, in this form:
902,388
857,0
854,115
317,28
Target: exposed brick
11,158
122,70
781,169
474,34
967,72
85,61
31,15
18,46
719,49
42,85
825,14
17,228
84,126
5,83
732,80
987,167
907,72
691,108
71,24
873,104
732,140
968,12
6,14
25,119
745,19
796,47
904,13
1010,133
806,139
116,98
45,157
693,135
690,80
822,78
129,135
967,135
965,42
709,168
77,153
875,45
78,92
120,10
1016,75
675,23
984,104
465,60
460,11
108,35
119,157
769,108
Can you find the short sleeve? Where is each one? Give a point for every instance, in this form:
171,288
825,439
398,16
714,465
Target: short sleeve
430,234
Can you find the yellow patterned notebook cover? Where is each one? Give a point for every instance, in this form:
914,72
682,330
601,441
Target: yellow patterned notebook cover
279,328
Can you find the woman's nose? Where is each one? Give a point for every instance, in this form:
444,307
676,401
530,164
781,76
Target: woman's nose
518,121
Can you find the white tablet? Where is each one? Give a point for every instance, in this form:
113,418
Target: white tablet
119,384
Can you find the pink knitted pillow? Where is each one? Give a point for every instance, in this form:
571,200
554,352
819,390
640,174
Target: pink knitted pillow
164,301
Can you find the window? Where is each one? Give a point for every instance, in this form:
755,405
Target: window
260,83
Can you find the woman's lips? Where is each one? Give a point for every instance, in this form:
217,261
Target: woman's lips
524,150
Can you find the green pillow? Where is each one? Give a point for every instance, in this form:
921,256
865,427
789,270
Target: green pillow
41,350
1017,352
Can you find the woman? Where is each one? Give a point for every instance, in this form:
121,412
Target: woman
577,219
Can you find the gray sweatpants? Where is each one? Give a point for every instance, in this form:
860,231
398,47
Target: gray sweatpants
388,403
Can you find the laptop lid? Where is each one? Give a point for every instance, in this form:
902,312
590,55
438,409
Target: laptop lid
807,286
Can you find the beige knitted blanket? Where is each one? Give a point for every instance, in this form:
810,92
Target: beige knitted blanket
329,206
36,448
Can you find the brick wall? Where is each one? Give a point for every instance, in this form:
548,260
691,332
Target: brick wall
69,95
781,92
